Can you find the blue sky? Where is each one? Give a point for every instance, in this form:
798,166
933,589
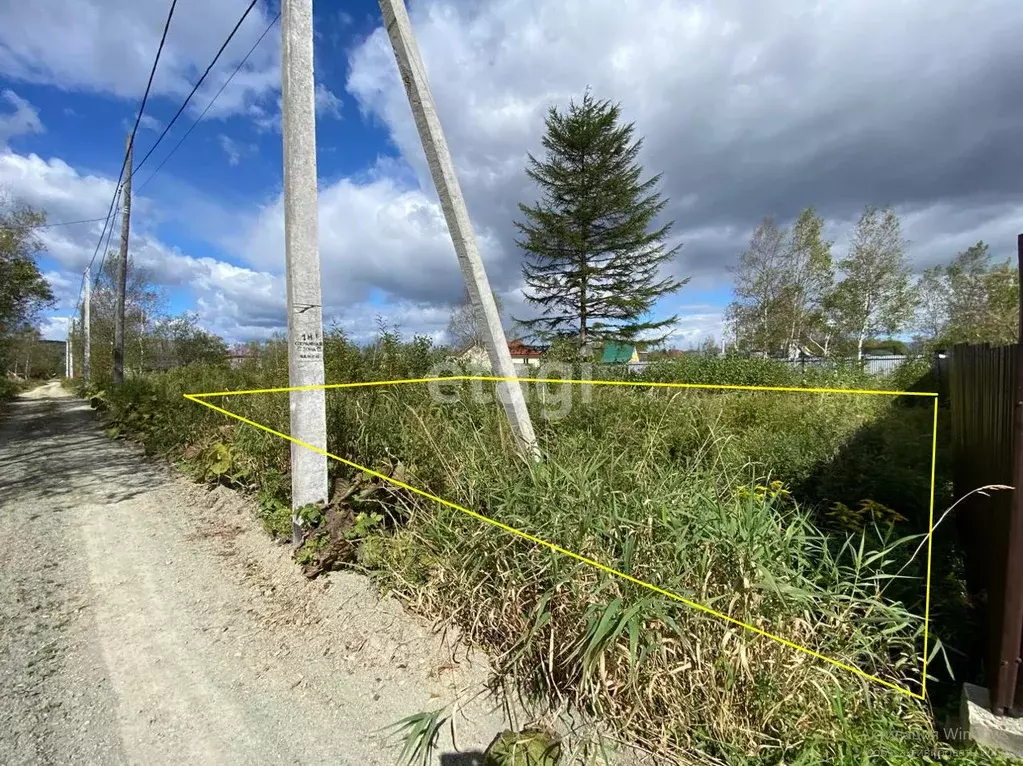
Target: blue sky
746,111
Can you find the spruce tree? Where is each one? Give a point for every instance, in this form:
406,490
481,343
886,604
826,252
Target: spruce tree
592,263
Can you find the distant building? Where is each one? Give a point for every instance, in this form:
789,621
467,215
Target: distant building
521,354
475,356
239,354
524,354
619,353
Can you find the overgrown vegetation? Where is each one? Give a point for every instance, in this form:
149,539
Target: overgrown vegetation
799,513
10,388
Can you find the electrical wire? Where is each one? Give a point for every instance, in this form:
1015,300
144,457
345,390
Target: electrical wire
138,119
196,87
106,249
131,141
212,101
51,225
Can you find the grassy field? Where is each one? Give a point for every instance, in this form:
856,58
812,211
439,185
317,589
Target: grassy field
799,513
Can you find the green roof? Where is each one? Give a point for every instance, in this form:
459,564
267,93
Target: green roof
617,352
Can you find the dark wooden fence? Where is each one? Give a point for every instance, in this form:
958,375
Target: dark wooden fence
985,395
982,383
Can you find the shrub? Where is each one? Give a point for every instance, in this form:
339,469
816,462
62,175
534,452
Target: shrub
727,370
9,389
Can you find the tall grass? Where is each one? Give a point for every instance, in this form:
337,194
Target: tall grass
658,487
726,499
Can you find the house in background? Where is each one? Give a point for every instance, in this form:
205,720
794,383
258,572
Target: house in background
619,353
524,354
521,353
475,356
240,353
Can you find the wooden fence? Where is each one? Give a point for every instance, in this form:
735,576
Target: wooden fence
985,395
982,390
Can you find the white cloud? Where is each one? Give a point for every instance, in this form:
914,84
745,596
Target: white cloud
399,237
373,235
150,123
24,119
267,118
65,195
327,104
746,109
694,326
107,46
230,149
54,327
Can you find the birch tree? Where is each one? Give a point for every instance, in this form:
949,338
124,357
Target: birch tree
808,275
970,300
782,284
465,328
754,312
876,296
932,289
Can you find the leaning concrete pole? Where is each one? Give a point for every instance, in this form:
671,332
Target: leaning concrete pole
305,311
417,87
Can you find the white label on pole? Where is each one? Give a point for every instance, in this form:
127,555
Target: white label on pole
308,345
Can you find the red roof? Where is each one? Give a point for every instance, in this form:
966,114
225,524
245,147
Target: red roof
519,349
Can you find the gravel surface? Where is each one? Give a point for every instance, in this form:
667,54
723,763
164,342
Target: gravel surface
146,620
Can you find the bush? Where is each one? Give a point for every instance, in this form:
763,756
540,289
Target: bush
727,370
9,389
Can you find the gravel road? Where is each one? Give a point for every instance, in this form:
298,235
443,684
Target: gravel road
146,620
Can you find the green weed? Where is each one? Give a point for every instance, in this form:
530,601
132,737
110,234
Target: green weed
720,497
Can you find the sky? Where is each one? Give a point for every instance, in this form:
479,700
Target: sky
746,109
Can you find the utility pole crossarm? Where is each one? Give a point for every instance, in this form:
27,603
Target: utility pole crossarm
442,169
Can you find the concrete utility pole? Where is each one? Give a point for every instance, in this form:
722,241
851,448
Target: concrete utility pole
305,310
122,271
87,327
67,352
71,348
417,87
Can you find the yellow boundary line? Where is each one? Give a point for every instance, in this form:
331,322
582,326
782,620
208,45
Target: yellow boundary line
602,567
930,539
631,383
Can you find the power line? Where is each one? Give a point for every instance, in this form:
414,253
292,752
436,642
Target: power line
106,223
113,206
212,101
131,140
194,89
152,73
106,248
50,225
95,280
